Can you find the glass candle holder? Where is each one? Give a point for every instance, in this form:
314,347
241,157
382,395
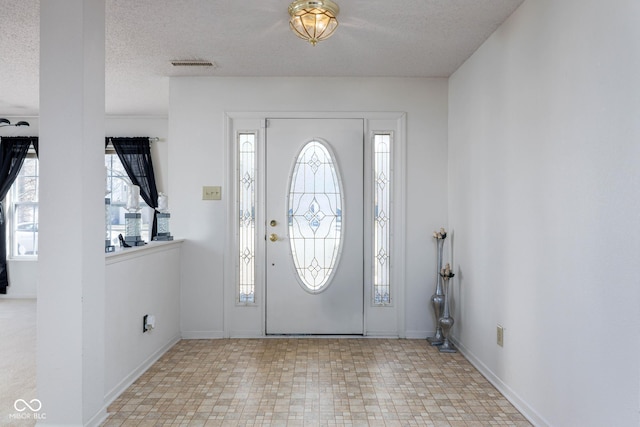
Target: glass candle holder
108,247
163,223
163,226
132,225
107,207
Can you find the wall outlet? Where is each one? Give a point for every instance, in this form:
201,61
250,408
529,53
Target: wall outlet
148,322
211,193
500,335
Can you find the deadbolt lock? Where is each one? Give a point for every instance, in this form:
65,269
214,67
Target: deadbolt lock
273,223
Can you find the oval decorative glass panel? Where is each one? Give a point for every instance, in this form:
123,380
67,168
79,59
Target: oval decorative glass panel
315,216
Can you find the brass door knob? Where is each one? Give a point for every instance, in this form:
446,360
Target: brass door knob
273,237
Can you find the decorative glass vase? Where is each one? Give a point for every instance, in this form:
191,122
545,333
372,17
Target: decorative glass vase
437,299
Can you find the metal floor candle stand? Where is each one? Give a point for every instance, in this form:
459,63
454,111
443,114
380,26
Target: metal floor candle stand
446,321
437,299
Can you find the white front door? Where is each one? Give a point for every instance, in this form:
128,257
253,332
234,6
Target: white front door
314,214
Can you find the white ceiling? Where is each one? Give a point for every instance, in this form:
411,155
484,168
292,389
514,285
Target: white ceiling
399,38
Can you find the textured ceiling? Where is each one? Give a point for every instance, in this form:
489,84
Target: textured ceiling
408,38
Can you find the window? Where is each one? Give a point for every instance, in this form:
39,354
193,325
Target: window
22,201
315,216
246,216
23,205
118,186
381,218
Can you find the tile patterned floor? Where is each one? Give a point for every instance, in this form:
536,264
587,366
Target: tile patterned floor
311,382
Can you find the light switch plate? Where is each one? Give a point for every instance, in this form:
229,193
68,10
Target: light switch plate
211,193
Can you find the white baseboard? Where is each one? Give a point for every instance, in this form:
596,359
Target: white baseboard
98,418
381,334
202,335
18,296
418,335
135,374
522,406
246,334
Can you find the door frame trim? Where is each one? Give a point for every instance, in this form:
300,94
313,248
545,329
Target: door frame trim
388,321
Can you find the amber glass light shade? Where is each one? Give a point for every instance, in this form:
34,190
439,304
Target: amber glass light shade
313,21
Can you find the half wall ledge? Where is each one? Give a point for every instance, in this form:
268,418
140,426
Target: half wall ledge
121,254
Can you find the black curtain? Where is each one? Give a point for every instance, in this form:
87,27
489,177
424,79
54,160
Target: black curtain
13,151
135,155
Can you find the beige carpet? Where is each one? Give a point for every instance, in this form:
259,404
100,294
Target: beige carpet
17,358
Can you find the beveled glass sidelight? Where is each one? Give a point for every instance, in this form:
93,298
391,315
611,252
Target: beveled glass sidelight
246,193
315,215
382,218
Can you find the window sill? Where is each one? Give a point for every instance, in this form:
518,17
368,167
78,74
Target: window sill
23,258
122,254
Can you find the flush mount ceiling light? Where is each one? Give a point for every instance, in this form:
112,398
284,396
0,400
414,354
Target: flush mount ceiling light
5,122
313,20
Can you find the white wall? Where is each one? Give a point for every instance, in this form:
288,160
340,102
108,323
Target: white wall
23,278
543,203
139,281
197,158
23,273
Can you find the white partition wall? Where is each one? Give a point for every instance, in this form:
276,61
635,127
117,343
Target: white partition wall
141,281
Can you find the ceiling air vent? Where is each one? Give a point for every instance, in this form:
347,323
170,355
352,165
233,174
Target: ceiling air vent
193,63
